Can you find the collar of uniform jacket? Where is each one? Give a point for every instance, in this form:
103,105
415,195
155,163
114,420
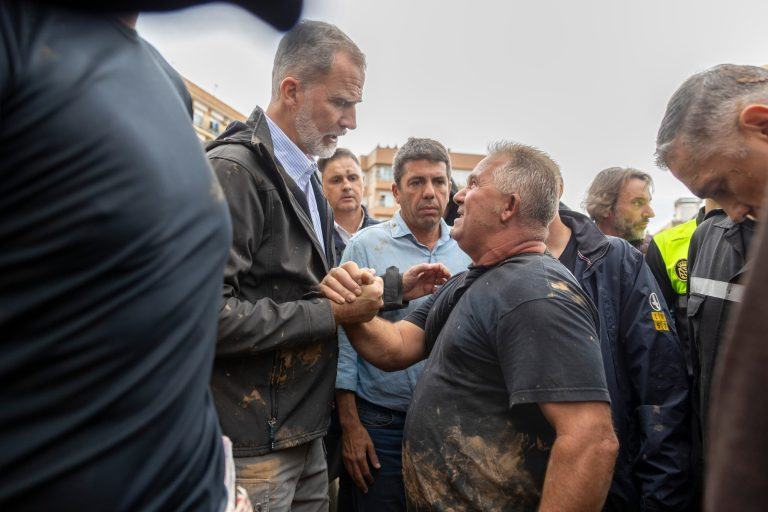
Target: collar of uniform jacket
591,243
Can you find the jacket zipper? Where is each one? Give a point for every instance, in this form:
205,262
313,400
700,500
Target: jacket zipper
274,383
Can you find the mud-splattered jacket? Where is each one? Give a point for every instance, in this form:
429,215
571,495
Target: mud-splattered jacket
644,367
276,357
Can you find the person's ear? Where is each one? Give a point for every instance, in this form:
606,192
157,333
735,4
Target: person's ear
753,121
560,187
511,208
395,192
290,89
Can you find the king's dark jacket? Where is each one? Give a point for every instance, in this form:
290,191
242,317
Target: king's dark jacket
275,365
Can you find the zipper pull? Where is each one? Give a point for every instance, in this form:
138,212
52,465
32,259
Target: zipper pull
272,422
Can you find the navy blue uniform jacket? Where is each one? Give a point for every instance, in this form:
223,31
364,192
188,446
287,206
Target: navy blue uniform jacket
644,368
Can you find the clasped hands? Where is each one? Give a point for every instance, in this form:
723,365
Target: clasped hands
356,293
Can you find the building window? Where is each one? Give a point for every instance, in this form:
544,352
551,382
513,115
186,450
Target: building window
215,127
198,117
386,200
384,173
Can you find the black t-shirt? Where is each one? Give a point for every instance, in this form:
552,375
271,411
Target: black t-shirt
568,256
113,237
522,333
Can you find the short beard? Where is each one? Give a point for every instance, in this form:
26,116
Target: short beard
309,136
628,231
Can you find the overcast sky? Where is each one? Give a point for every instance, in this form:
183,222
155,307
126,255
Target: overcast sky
587,81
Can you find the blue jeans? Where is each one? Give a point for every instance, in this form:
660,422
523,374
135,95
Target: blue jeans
387,494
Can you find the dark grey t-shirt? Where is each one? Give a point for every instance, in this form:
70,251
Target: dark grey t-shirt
113,239
521,333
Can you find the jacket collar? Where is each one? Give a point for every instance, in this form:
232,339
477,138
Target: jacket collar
734,233
367,219
254,134
592,245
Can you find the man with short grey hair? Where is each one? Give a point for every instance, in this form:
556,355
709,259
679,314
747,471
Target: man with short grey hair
619,201
714,138
511,411
276,356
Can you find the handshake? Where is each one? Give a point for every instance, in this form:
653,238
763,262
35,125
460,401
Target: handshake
356,294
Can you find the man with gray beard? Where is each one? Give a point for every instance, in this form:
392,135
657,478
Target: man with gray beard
275,365
276,356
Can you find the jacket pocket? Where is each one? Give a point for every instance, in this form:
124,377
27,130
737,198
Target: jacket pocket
258,492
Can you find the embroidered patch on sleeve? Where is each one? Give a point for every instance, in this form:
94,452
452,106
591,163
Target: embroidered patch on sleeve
659,321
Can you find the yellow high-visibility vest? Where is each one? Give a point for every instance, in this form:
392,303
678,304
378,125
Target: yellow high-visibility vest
673,246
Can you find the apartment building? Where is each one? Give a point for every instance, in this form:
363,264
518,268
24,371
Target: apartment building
210,115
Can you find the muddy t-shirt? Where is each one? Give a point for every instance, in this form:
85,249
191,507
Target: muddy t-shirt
113,239
521,333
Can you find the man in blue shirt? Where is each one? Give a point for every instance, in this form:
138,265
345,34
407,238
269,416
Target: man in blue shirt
372,403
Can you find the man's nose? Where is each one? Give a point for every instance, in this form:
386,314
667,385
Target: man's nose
349,118
429,190
649,213
458,197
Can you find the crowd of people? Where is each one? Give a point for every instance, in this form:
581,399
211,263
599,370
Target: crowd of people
228,329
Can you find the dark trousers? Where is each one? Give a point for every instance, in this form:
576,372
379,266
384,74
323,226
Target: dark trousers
387,494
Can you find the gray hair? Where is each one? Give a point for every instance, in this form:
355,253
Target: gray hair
419,149
703,112
603,193
307,51
533,175
339,153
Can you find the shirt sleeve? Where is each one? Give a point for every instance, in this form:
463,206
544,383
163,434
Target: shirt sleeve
346,370
549,351
418,316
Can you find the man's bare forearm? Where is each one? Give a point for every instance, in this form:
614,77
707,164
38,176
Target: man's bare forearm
579,474
346,404
387,346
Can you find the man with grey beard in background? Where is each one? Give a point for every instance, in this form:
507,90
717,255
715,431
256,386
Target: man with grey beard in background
619,201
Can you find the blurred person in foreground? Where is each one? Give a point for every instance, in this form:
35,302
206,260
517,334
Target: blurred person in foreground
619,201
644,364
114,234
714,138
511,411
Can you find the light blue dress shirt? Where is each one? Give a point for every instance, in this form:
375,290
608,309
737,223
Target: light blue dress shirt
381,246
300,168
